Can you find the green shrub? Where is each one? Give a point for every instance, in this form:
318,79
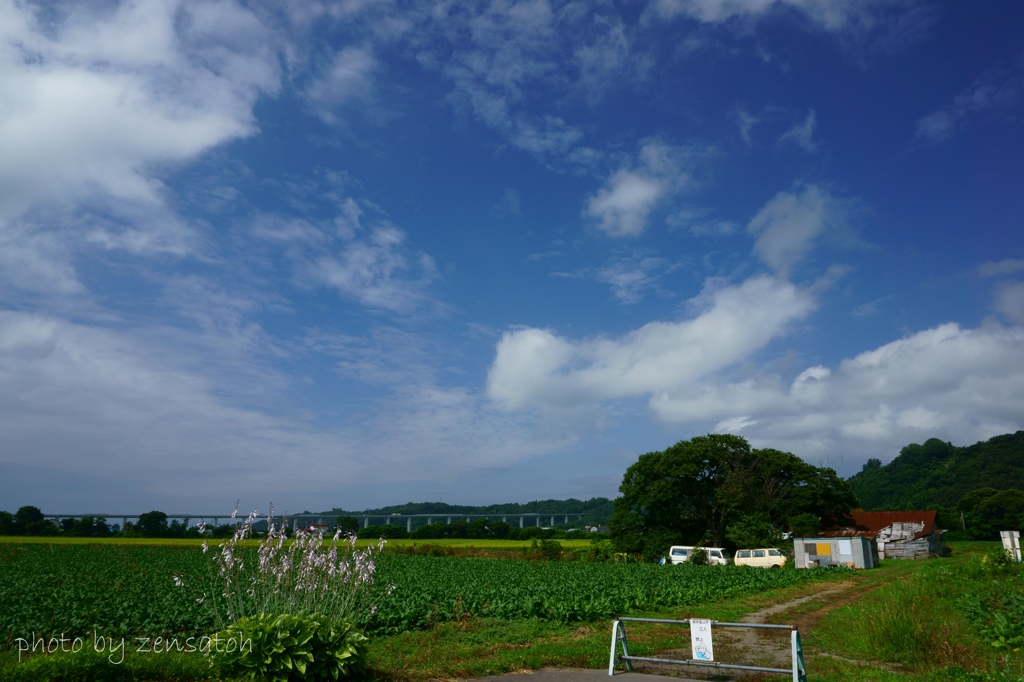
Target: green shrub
389,532
551,550
698,557
289,647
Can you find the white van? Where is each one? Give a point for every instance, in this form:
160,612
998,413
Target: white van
678,554
768,557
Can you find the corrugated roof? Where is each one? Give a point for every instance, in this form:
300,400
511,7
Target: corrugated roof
868,524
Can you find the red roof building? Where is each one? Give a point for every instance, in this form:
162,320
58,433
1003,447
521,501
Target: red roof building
898,534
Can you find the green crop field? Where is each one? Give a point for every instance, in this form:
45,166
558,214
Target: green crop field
193,542
129,590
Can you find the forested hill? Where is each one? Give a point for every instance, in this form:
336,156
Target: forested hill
941,473
596,507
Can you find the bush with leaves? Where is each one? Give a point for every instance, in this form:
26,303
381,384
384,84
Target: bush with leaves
290,647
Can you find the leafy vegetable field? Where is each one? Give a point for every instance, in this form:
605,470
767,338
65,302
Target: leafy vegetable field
131,590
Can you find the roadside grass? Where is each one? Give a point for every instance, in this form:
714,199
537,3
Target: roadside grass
89,666
911,628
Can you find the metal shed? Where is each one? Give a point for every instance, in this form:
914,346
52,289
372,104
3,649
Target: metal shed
853,551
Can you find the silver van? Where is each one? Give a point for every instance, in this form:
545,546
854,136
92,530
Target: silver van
678,554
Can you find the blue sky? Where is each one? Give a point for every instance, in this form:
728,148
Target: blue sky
359,253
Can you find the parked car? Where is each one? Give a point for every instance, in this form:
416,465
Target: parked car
768,557
678,554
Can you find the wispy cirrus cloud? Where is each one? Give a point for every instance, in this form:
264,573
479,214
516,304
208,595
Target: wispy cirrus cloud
1006,266
367,259
1000,88
802,134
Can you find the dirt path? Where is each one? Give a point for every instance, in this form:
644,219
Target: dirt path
769,648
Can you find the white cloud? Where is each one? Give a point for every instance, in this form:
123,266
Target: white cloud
535,369
610,58
1004,267
630,277
91,101
788,224
509,205
829,15
164,417
947,382
35,261
746,122
347,80
624,204
1010,301
998,89
370,263
97,103
802,134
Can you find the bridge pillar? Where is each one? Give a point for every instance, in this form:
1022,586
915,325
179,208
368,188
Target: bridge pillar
408,525
366,521
520,520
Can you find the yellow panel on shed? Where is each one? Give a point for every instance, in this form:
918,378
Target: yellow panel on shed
824,549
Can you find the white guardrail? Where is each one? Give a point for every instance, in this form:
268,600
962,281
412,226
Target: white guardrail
702,646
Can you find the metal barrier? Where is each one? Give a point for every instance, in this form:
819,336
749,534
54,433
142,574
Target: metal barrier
798,671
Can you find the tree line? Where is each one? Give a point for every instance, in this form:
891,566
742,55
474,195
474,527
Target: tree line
29,520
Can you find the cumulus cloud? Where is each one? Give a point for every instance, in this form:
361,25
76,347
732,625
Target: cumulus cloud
787,225
946,382
92,99
998,89
622,206
535,368
98,102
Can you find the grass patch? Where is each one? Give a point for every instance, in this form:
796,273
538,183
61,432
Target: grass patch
90,666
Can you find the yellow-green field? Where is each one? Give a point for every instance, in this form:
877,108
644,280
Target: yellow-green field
511,545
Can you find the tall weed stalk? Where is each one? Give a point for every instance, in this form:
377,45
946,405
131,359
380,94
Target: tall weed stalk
303,575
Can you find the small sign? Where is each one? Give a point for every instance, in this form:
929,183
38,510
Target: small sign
700,639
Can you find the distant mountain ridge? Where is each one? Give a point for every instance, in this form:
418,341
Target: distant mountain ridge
596,508
940,473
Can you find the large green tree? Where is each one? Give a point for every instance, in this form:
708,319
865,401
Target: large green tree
716,488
